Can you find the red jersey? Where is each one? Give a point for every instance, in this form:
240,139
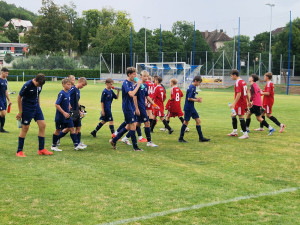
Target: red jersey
159,96
241,87
269,99
150,88
175,100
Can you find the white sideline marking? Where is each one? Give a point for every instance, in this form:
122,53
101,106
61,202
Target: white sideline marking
164,213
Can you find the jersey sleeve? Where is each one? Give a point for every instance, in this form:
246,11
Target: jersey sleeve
173,95
189,93
103,96
59,99
164,95
239,88
114,95
23,90
126,87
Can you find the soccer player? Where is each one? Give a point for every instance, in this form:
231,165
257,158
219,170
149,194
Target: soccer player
106,99
174,103
190,111
128,92
268,102
29,108
3,96
140,109
63,122
159,97
149,107
239,104
255,107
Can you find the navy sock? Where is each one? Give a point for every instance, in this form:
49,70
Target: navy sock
61,135
264,123
234,123
21,144
139,131
183,127
54,139
119,135
41,143
133,139
148,133
128,135
2,121
99,126
74,139
166,125
112,129
79,137
198,127
123,125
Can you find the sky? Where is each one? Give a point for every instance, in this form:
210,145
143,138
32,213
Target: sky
255,15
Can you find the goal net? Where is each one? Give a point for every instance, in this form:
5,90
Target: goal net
167,70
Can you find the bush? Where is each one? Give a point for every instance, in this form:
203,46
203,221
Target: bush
8,58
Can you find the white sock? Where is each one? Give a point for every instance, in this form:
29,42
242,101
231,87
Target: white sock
140,137
234,130
270,128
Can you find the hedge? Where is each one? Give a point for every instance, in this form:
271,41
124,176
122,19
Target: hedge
56,73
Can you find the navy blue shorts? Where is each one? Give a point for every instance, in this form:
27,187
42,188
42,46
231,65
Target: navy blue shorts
3,105
143,117
108,117
191,113
30,113
60,125
129,117
77,123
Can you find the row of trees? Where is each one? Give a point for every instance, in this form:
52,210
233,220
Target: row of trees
60,30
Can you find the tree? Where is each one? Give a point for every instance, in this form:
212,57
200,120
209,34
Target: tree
12,34
51,33
4,39
182,29
8,58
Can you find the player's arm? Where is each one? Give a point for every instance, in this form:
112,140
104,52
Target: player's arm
152,102
19,100
137,111
102,109
7,97
132,93
65,114
190,99
237,98
118,92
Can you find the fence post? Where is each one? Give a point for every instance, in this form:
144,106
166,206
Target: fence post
206,63
248,65
259,65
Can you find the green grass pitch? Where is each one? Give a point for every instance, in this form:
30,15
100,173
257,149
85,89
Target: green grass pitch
101,185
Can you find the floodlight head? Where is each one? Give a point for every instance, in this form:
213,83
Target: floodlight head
269,4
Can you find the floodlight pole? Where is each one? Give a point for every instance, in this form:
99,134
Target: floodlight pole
233,51
145,18
270,44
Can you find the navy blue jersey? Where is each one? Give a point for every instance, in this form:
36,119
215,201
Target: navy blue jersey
63,100
141,95
3,88
107,98
73,99
30,94
190,93
127,101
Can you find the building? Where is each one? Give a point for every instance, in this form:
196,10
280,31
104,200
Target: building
16,49
215,39
22,25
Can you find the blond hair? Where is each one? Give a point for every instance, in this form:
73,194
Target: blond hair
82,80
174,81
65,81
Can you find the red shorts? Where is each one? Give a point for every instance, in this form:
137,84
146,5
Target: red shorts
174,114
268,109
159,112
149,107
240,109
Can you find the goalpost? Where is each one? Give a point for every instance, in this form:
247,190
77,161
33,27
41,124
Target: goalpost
167,70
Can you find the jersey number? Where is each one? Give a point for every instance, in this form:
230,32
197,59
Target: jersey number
162,96
177,98
245,90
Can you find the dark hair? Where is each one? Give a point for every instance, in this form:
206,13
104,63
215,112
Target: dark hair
255,77
109,80
235,72
269,75
159,79
4,69
130,70
40,79
197,78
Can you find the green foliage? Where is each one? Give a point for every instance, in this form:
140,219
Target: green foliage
53,61
4,39
9,11
182,29
12,34
8,58
51,32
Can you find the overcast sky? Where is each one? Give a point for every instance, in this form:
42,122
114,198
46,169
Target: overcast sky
207,14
